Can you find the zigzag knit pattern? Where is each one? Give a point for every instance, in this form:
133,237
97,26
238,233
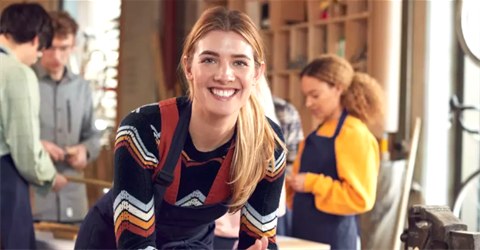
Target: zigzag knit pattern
136,158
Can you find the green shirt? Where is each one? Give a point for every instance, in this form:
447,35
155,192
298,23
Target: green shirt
19,122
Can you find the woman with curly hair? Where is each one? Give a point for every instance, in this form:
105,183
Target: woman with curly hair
334,176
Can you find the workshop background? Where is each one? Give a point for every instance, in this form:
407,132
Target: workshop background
130,50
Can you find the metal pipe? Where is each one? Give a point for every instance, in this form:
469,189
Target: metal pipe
408,69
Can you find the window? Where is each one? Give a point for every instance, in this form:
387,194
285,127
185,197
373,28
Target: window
469,39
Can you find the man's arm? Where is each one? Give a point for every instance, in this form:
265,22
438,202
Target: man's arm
20,121
90,135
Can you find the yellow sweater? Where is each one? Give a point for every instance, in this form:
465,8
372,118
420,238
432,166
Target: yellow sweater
358,161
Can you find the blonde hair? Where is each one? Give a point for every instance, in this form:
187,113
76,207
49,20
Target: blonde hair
255,141
264,95
363,97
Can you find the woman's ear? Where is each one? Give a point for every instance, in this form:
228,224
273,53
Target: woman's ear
36,41
339,90
188,68
259,72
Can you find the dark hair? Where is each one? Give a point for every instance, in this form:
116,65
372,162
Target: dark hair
63,24
24,21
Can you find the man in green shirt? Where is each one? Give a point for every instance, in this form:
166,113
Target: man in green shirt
25,29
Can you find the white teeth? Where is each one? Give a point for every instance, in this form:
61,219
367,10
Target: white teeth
223,93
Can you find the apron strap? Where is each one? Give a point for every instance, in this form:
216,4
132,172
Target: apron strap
164,176
340,123
3,51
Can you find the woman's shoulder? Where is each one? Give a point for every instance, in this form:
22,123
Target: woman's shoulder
354,128
143,118
276,128
279,150
149,115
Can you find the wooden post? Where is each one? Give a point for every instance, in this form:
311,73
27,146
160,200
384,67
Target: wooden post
136,71
386,19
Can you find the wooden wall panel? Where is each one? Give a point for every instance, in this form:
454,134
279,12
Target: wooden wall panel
386,55
417,107
49,5
138,83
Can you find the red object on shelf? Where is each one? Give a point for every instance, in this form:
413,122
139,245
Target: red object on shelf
324,14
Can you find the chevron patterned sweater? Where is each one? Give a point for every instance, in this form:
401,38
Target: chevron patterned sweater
136,158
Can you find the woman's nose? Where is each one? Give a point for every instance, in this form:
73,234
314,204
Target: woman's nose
308,103
225,74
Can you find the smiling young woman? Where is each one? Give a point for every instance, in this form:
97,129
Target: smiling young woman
233,158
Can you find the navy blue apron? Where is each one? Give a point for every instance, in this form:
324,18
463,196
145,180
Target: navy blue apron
16,220
175,227
309,223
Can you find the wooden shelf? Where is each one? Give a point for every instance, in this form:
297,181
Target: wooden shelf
298,31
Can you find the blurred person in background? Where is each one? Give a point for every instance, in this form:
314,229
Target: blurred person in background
292,129
334,178
25,29
67,121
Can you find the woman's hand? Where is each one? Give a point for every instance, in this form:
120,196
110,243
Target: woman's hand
297,182
260,244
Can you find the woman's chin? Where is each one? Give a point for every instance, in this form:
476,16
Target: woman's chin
222,112
318,117
213,108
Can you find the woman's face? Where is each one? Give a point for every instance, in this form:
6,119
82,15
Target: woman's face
222,71
321,98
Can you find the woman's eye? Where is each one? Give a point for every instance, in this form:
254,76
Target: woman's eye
208,60
241,63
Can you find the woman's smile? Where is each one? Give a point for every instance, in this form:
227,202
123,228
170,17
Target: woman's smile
223,94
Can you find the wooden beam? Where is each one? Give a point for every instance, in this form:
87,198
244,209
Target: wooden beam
89,181
59,231
50,226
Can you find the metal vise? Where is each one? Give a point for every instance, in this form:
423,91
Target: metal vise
435,227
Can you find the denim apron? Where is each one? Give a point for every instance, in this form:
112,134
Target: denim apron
175,227
16,220
309,223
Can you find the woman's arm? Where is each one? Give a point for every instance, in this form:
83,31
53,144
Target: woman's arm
136,157
259,215
357,156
